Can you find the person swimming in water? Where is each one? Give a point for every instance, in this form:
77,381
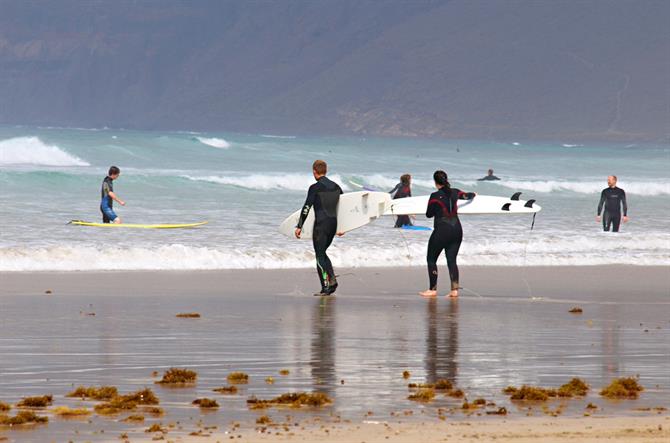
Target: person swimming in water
108,197
489,177
402,190
612,198
324,195
447,233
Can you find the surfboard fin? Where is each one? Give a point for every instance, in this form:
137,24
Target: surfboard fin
529,203
515,196
506,206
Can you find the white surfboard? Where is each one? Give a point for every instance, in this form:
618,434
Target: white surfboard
481,204
354,210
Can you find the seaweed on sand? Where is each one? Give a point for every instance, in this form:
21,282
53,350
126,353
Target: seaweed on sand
36,402
65,411
293,399
4,407
238,378
263,420
156,427
94,393
574,388
134,419
626,387
229,390
406,375
177,376
576,310
500,411
455,393
423,395
206,403
22,418
284,372
127,402
530,393
188,315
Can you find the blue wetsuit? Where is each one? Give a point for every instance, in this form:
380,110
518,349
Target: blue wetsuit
106,202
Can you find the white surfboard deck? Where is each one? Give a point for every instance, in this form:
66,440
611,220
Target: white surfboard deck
481,204
354,210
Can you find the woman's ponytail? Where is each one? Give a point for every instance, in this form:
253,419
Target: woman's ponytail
441,179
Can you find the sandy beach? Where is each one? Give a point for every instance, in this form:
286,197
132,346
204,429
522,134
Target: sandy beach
511,326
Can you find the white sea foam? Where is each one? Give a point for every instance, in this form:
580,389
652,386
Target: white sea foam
214,142
546,251
568,145
278,136
33,151
291,182
645,188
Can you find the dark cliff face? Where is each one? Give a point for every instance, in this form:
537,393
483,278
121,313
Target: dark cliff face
478,69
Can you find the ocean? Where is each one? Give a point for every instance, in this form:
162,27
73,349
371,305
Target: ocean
246,184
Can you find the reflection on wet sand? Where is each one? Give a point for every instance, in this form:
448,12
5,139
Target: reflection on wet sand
322,361
441,340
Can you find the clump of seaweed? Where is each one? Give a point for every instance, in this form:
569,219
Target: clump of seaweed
444,385
188,315
93,393
206,403
269,380
479,402
293,399
263,420
65,411
36,402
228,390
284,372
423,395
177,376
156,427
23,418
576,310
134,419
238,378
574,388
456,393
626,387
406,375
591,406
421,385
530,393
127,402
500,411
4,407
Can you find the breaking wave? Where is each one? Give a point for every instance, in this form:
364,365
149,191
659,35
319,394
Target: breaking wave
214,142
291,182
33,151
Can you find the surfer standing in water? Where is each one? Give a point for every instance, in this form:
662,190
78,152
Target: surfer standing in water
108,197
448,232
613,199
324,195
488,177
402,190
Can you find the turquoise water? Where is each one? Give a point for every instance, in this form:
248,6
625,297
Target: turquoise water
246,184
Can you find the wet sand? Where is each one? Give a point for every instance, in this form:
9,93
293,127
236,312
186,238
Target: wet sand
510,327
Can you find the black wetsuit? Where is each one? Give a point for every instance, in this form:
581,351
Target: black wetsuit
324,195
613,199
488,178
447,234
401,191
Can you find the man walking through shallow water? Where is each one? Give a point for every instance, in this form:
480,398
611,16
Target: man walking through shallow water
612,198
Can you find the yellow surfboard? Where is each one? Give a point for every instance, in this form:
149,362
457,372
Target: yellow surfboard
135,225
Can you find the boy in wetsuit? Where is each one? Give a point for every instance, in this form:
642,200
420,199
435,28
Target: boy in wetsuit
402,190
324,195
108,197
613,199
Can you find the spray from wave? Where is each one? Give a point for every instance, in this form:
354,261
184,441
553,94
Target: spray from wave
645,188
33,151
547,251
214,142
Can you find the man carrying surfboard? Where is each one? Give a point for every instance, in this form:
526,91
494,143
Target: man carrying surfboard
324,196
108,197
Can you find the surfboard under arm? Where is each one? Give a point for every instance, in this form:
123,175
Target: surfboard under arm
481,204
136,225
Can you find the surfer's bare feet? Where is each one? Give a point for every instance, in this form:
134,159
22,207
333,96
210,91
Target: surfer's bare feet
453,293
428,293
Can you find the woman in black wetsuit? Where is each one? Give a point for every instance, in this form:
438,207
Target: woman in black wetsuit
448,232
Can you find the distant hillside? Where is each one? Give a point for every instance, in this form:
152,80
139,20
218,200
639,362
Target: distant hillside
477,69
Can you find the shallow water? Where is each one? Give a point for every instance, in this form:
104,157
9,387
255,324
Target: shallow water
354,348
